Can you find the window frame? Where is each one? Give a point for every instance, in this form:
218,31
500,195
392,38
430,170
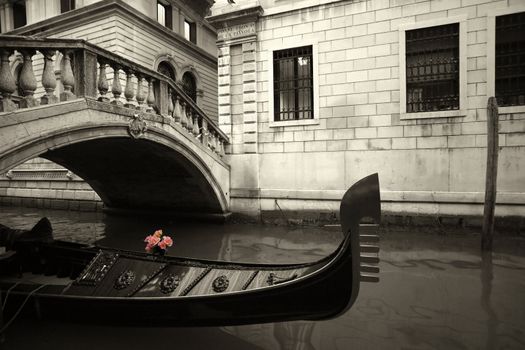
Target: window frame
462,111
315,85
192,94
192,35
168,14
70,6
22,4
491,54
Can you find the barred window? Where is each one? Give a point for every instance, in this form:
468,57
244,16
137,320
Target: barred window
432,68
293,84
510,59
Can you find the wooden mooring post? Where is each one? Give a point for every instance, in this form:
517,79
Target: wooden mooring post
491,174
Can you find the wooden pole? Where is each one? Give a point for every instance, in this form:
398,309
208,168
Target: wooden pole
492,173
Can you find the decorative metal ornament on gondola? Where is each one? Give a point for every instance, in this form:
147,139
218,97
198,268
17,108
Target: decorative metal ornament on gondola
169,284
124,280
220,284
274,279
97,269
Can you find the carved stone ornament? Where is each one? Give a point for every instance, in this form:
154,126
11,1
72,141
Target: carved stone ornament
124,280
137,127
169,284
220,284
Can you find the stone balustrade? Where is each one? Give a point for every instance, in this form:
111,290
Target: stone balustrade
83,74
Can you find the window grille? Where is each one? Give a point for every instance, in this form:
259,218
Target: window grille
166,69
432,68
293,84
510,59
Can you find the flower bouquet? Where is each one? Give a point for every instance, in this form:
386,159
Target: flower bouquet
157,243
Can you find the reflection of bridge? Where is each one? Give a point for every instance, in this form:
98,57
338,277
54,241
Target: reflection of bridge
156,151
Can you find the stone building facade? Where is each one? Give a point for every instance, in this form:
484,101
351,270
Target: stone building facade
358,108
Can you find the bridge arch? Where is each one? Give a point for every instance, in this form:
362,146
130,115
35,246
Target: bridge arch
157,172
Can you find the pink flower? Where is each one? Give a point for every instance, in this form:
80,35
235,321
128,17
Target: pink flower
168,241
152,240
156,239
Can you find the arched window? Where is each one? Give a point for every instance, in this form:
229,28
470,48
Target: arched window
189,85
166,69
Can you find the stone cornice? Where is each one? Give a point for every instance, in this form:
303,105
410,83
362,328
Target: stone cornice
242,16
90,13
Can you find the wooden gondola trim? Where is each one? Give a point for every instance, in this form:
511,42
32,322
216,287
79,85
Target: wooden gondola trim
250,280
146,280
195,281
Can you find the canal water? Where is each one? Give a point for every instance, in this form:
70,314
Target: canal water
436,290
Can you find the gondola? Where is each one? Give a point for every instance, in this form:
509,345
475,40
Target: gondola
123,287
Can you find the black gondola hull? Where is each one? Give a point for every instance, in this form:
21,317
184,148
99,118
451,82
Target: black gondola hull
119,287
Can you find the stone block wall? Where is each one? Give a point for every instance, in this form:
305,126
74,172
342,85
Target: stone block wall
39,183
426,165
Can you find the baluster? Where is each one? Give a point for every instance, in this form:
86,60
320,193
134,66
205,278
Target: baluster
49,81
140,97
170,103
189,113
183,118
221,148
27,80
68,79
195,129
204,131
116,88
212,140
7,83
177,110
151,96
217,136
129,92
102,85
216,142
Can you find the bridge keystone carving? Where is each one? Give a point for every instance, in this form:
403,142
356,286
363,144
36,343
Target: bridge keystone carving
137,127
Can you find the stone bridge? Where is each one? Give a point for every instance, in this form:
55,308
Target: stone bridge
157,151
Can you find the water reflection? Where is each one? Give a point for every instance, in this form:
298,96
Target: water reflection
435,292
486,291
277,336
